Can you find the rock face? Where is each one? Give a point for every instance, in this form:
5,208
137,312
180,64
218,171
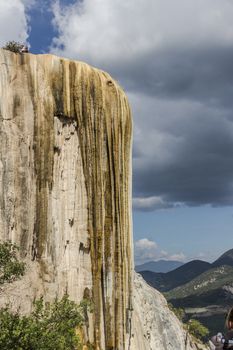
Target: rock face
65,199
65,187
154,326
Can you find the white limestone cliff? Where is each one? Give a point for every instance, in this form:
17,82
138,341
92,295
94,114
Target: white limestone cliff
155,327
65,182
65,198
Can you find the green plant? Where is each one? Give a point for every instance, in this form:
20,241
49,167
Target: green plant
13,46
193,326
50,326
197,329
10,267
179,312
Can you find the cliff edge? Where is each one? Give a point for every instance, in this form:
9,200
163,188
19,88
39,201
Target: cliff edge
154,325
65,199
65,182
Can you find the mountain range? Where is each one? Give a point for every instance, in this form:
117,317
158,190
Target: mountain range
165,282
203,289
159,266
172,279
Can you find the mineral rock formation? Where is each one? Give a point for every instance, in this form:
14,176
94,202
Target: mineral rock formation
65,199
65,182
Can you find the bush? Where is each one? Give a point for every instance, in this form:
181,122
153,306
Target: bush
13,46
50,326
10,267
197,329
179,312
194,327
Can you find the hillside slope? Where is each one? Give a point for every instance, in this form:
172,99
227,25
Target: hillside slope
207,298
224,259
167,281
211,280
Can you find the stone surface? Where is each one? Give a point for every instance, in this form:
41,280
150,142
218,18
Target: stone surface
154,325
65,187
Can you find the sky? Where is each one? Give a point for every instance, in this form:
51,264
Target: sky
174,59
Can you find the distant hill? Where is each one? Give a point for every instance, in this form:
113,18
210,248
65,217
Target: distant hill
211,280
225,259
159,266
207,298
204,290
183,274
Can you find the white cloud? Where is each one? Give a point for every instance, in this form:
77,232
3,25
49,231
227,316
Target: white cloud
145,243
154,203
115,31
147,250
150,203
13,21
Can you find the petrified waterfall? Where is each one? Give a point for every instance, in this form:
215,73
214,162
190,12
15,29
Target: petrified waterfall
65,187
65,199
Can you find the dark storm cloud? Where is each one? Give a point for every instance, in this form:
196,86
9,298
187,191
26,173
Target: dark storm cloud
188,160
202,74
175,61
197,158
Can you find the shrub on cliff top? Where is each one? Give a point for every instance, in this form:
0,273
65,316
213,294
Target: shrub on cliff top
13,46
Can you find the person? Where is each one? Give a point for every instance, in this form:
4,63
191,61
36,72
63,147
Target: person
220,342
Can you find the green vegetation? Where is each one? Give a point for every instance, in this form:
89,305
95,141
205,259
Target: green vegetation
13,46
197,329
50,326
193,326
215,323
10,267
179,312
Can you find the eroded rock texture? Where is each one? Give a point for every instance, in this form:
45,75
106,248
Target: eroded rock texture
154,326
65,183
